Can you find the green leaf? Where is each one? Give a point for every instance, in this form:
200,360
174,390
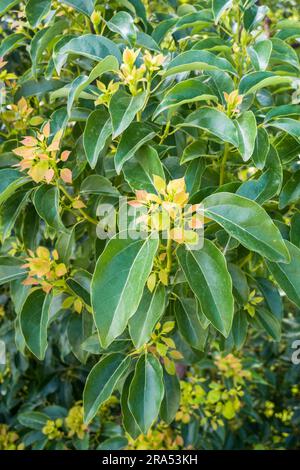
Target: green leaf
116,299
10,212
146,391
10,269
128,420
268,184
46,202
267,321
102,381
188,321
291,126
283,53
122,23
6,5
194,60
86,7
33,419
43,39
214,121
88,45
65,244
80,284
109,64
79,329
10,181
139,170
255,81
287,275
97,130
171,400
239,329
36,10
283,111
219,6
149,312
249,223
261,148
207,274
295,229
188,91
34,319
123,109
260,54
97,184
247,131
136,135
290,193
10,43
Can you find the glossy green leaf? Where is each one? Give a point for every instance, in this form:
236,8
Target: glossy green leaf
109,64
34,319
10,269
116,299
260,54
10,181
287,275
97,130
261,148
247,131
219,7
269,182
291,126
36,10
46,202
43,39
209,279
134,137
189,324
123,109
102,381
188,91
249,223
90,46
295,229
123,24
97,184
216,122
139,170
197,61
86,6
10,43
171,400
128,420
255,81
146,391
149,312
290,193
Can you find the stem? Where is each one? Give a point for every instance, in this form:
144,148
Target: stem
82,212
223,163
169,255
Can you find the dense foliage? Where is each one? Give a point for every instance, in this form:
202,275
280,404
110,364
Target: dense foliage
149,224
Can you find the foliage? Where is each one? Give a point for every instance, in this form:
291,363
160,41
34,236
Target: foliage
172,332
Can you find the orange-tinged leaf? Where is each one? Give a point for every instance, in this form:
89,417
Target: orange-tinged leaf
65,155
43,252
46,130
66,175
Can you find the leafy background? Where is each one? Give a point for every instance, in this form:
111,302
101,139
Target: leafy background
118,97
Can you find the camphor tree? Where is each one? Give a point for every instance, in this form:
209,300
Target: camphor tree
190,110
